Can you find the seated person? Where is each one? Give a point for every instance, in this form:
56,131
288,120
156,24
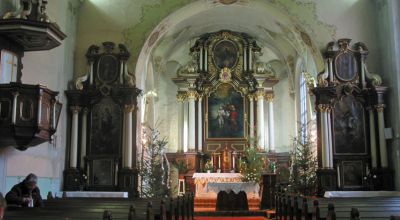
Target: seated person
25,193
3,206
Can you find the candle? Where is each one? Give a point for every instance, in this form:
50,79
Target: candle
219,161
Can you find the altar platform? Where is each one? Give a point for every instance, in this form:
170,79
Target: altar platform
208,185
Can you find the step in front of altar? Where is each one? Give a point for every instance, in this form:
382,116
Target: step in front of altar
209,204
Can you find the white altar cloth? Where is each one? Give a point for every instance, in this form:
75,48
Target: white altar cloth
338,194
247,187
94,194
204,178
207,184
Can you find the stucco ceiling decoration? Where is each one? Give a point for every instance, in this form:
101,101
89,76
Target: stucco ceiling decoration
272,23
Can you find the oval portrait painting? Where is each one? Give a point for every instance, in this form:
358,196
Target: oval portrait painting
346,67
225,54
107,69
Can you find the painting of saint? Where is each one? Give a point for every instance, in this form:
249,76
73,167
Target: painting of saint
107,68
349,127
226,113
105,131
346,66
102,172
225,54
352,174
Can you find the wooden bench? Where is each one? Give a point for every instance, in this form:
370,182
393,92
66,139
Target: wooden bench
180,208
294,208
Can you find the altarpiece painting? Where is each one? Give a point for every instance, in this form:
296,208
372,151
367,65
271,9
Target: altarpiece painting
225,113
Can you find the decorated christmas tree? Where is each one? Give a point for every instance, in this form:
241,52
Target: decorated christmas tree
252,163
153,166
303,176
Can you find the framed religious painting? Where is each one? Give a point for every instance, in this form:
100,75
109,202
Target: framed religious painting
352,174
225,54
349,127
107,70
102,172
106,123
346,66
226,113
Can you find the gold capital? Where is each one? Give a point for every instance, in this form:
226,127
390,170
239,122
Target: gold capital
251,97
269,97
129,108
260,94
324,107
181,96
380,107
191,94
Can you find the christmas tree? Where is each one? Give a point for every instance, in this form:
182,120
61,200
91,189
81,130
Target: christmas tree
153,166
303,176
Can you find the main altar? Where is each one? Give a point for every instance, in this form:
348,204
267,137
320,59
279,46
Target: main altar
210,186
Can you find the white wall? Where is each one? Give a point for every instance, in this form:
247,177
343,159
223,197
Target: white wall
53,69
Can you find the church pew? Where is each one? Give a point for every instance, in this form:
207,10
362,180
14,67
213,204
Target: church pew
74,208
292,207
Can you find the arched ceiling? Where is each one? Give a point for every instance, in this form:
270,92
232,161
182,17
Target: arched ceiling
281,38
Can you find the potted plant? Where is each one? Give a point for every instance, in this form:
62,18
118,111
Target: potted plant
182,168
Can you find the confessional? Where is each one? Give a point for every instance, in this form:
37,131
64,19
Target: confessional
350,103
102,152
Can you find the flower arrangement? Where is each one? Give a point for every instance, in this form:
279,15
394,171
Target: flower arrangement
209,166
252,164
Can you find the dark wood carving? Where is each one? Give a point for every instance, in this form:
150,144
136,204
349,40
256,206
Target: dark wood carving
104,92
348,93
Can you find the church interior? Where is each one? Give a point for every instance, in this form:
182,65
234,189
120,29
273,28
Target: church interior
199,109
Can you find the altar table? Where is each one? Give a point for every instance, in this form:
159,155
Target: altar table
208,185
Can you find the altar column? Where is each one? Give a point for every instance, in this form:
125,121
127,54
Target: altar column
260,118
199,123
181,123
185,124
127,148
192,121
271,129
251,101
372,138
382,141
325,151
74,137
83,136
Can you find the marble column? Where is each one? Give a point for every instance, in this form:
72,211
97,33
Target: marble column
323,109
127,162
185,124
381,132
260,94
83,136
271,128
73,161
199,123
251,115
329,137
192,121
181,98
372,138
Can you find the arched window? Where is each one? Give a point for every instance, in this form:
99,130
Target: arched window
303,104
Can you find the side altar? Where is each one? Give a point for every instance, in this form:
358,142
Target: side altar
224,191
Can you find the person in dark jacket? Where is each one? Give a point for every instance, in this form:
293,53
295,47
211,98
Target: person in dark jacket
25,193
3,206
